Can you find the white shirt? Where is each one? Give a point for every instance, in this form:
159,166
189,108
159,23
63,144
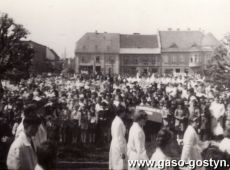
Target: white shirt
158,155
191,149
136,143
224,145
38,167
21,155
118,145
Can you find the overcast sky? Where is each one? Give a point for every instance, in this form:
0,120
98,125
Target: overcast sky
58,24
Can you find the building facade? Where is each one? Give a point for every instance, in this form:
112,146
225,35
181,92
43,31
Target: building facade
139,53
97,52
164,52
186,51
45,60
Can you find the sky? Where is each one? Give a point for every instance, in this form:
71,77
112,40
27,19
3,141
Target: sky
59,24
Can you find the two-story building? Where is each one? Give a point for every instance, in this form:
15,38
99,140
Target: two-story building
97,52
186,51
139,53
117,53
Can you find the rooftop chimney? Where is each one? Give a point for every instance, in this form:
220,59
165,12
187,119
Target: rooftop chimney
189,29
136,33
169,29
178,29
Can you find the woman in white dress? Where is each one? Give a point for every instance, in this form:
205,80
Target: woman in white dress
118,147
136,141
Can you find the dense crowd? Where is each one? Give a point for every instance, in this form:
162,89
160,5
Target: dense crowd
79,110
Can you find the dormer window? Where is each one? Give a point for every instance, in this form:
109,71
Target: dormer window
173,45
194,45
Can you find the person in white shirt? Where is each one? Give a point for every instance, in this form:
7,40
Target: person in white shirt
217,111
41,134
136,142
192,147
225,143
22,153
118,146
166,148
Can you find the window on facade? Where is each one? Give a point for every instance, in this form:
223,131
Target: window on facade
135,60
154,60
177,70
111,60
168,71
126,59
196,59
145,60
166,59
82,59
174,59
154,70
182,59
97,59
191,59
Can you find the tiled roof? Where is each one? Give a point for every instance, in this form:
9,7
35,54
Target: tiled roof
210,41
180,39
98,43
170,41
55,54
138,41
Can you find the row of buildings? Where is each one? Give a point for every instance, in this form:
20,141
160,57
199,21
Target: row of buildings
171,51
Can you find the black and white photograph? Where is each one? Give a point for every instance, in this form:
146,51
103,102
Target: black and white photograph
114,85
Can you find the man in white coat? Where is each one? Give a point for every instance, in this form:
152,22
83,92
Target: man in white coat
41,135
118,147
192,147
136,141
22,154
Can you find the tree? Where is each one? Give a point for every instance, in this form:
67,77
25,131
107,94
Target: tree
15,53
218,69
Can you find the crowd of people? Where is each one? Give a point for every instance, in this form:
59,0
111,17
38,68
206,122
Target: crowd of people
81,111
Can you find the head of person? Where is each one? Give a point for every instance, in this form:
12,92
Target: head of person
140,116
191,91
194,121
161,104
179,106
46,155
120,111
31,124
104,105
167,142
217,99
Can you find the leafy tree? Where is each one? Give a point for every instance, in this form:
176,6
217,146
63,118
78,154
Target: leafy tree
218,70
15,53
